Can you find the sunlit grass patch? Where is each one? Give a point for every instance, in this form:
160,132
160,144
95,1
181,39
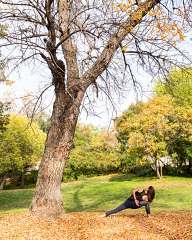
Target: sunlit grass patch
106,192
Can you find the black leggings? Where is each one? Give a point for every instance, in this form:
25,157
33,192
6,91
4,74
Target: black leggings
127,204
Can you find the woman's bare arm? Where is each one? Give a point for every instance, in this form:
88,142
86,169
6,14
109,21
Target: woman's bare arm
147,207
135,199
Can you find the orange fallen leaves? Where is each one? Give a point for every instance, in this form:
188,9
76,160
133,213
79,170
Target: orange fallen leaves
90,226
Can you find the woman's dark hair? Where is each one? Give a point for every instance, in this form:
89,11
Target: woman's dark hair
150,193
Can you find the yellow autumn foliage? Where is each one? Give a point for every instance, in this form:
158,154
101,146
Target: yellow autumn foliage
165,27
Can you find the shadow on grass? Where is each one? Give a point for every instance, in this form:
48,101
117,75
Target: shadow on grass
95,199
96,196
76,199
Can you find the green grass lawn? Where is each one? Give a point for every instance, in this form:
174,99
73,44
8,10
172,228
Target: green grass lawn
106,192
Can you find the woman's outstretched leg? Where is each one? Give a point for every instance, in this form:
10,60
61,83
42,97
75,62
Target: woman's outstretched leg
116,210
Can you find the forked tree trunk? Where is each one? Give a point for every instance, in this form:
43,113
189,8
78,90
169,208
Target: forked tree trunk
47,200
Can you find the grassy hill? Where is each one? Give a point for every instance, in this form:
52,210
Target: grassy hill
102,193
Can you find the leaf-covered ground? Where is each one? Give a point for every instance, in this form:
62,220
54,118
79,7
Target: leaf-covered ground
80,226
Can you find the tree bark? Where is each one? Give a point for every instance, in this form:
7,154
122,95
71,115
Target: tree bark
47,200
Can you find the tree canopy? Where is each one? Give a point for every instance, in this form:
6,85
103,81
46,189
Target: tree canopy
149,132
178,85
95,152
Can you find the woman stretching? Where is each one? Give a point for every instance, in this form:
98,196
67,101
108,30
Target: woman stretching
138,199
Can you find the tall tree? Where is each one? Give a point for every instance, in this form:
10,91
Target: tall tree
21,146
4,120
78,41
178,86
158,129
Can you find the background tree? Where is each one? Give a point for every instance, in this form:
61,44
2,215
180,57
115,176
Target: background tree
180,147
43,121
148,132
78,41
21,146
4,120
178,85
95,152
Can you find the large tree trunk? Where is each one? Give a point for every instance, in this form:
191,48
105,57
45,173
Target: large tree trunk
47,200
